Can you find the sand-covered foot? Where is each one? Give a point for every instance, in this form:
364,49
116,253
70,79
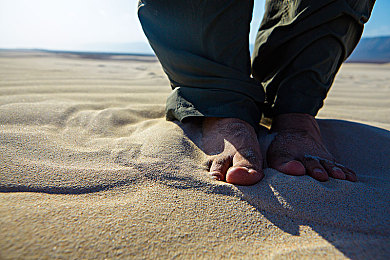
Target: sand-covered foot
298,149
234,151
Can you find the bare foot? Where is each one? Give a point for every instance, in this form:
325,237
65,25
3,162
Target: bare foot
298,149
236,153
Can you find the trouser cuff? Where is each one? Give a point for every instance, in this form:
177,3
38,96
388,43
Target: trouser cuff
297,103
185,102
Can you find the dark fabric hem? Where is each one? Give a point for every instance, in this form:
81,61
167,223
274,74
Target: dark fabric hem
185,102
296,103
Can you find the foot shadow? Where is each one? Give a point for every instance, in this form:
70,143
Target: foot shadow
350,216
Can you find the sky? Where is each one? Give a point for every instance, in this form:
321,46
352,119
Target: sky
105,25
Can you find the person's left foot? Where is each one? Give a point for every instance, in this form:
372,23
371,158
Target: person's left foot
236,156
298,149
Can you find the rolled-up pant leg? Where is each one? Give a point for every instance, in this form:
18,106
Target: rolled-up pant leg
299,48
203,47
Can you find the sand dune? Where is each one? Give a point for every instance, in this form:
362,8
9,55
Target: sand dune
91,169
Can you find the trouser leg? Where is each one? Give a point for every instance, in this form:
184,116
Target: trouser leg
299,48
203,48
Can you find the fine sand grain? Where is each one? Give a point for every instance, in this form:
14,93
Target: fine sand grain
91,169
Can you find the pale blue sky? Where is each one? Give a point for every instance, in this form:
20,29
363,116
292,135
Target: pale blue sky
80,24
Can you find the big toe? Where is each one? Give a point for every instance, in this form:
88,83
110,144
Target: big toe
285,163
243,176
292,167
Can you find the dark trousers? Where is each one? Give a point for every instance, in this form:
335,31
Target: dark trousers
203,46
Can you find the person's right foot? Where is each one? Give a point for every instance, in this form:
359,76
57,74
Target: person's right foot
298,149
236,153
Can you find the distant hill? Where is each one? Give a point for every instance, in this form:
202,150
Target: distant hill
375,49
369,50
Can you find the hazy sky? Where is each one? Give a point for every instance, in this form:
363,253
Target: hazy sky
72,24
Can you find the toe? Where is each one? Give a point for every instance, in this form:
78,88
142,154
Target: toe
286,164
243,176
281,159
315,169
218,176
293,167
349,174
219,167
332,170
246,169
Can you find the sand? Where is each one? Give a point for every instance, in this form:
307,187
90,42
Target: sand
90,169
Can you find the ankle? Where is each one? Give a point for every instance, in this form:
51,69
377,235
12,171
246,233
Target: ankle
223,122
296,121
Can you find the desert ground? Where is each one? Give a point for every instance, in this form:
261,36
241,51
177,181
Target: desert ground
90,169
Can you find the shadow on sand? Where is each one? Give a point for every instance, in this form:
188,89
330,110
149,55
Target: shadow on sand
350,216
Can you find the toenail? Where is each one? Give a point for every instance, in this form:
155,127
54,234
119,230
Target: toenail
338,170
338,173
252,171
216,175
318,171
215,178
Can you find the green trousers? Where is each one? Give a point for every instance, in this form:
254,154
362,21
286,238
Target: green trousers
203,46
